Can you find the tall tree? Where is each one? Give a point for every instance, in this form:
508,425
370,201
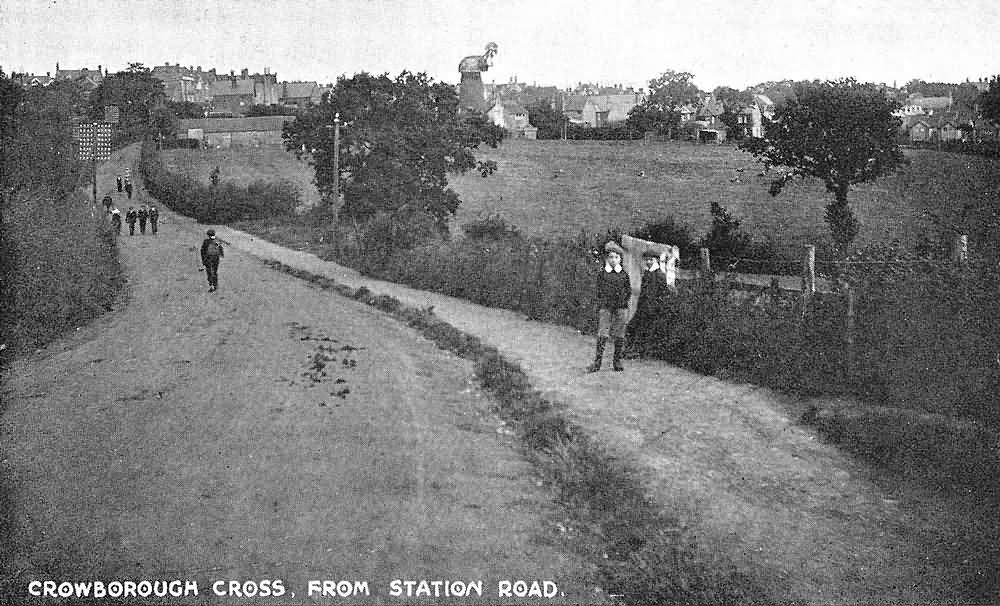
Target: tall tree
401,138
548,121
842,132
658,113
672,88
136,93
989,101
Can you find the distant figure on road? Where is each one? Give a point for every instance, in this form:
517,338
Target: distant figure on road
211,253
130,217
143,215
641,330
108,201
154,216
128,187
613,293
116,220
118,178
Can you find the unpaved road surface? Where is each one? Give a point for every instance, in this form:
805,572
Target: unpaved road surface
267,431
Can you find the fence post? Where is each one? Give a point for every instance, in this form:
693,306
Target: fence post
960,249
851,304
705,264
808,279
809,271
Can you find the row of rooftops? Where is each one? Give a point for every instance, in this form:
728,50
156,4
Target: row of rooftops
219,84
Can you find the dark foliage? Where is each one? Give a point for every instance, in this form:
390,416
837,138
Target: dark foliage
401,138
220,203
841,132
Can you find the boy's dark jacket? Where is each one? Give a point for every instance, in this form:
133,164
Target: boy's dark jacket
205,258
613,289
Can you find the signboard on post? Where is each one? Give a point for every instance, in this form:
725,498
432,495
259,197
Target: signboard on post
94,144
93,141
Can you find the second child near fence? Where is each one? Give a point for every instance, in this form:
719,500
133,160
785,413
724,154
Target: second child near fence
613,293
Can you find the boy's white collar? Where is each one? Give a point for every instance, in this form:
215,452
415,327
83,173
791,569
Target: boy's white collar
608,268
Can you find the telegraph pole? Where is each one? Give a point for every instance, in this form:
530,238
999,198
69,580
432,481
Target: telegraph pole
336,158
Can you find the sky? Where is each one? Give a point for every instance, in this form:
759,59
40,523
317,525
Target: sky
734,43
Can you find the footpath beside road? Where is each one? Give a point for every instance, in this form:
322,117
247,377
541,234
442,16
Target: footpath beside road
748,482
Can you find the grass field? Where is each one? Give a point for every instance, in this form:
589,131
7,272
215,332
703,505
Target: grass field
561,187
243,165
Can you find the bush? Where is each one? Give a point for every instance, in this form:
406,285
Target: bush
493,227
60,266
221,203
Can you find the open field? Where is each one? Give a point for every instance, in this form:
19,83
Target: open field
561,187
244,165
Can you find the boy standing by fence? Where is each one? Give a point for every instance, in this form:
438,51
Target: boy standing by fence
613,293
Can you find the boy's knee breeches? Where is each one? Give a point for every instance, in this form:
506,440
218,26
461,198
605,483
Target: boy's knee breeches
611,322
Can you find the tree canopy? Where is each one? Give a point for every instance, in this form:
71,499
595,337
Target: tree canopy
667,92
989,100
136,93
548,121
400,139
36,137
841,132
671,89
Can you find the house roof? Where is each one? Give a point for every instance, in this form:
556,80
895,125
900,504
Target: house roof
576,103
235,125
296,90
225,87
711,108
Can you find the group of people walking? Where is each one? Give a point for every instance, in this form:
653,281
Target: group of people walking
142,215
125,184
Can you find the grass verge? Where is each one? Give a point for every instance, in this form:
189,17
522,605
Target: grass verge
642,553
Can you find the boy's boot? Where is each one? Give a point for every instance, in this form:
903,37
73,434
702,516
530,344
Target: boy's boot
619,350
599,356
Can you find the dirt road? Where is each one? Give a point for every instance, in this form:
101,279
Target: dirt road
266,431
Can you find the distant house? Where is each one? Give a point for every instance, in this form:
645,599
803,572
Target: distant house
949,128
32,80
511,116
88,79
921,128
599,110
234,132
687,112
232,95
181,83
750,119
299,94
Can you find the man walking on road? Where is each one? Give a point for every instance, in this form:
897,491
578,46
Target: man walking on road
130,217
143,215
116,220
154,216
211,252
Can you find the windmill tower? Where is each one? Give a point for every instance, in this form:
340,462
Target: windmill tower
470,89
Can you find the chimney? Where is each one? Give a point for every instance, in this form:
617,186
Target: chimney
244,73
98,68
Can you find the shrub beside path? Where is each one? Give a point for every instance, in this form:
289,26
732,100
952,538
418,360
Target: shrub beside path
746,480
